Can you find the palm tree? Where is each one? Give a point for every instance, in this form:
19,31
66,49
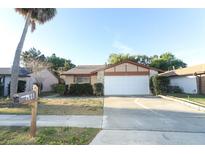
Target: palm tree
32,16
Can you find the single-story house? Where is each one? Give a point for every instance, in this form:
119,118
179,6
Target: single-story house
5,78
190,79
126,78
45,77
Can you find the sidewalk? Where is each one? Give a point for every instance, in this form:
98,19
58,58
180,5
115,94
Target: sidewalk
53,120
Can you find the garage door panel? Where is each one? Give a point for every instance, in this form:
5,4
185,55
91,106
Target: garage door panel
126,85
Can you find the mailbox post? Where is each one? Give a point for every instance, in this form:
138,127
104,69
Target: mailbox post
34,109
30,98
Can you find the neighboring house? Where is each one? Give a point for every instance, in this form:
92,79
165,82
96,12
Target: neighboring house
127,78
190,80
5,77
45,77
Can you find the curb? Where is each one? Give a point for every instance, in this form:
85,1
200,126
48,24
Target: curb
184,102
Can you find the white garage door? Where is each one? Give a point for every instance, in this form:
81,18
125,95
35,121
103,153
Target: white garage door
126,85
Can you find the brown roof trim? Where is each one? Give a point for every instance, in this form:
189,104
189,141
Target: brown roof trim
134,63
191,70
126,73
93,74
77,74
199,73
90,73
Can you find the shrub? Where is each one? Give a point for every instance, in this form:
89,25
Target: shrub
151,86
175,89
98,89
159,84
81,89
1,90
59,88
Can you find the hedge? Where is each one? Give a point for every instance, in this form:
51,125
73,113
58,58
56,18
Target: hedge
98,89
85,89
159,85
59,88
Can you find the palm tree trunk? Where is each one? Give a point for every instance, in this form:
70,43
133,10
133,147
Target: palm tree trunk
15,67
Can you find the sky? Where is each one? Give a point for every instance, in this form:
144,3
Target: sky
89,36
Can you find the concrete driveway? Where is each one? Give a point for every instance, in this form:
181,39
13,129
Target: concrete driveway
150,120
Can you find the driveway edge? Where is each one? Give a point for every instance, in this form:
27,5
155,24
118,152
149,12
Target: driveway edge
184,102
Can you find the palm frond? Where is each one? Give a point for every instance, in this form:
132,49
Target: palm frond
38,15
33,25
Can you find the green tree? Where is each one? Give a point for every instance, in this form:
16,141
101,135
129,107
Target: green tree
34,60
60,64
33,16
117,58
31,55
167,61
143,59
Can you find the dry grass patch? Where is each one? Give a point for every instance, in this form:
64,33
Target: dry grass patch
60,106
71,106
5,108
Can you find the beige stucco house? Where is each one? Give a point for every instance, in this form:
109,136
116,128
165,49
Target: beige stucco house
45,77
127,78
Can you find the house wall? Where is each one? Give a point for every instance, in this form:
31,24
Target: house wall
68,79
121,68
7,80
203,84
100,76
6,84
187,83
153,72
45,77
93,79
126,67
132,68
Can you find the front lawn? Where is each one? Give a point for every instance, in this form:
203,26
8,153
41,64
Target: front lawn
199,99
59,106
47,135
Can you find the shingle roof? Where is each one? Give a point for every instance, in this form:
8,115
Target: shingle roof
23,72
197,69
83,69
89,69
134,63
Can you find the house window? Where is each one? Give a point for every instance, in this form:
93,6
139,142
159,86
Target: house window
82,79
